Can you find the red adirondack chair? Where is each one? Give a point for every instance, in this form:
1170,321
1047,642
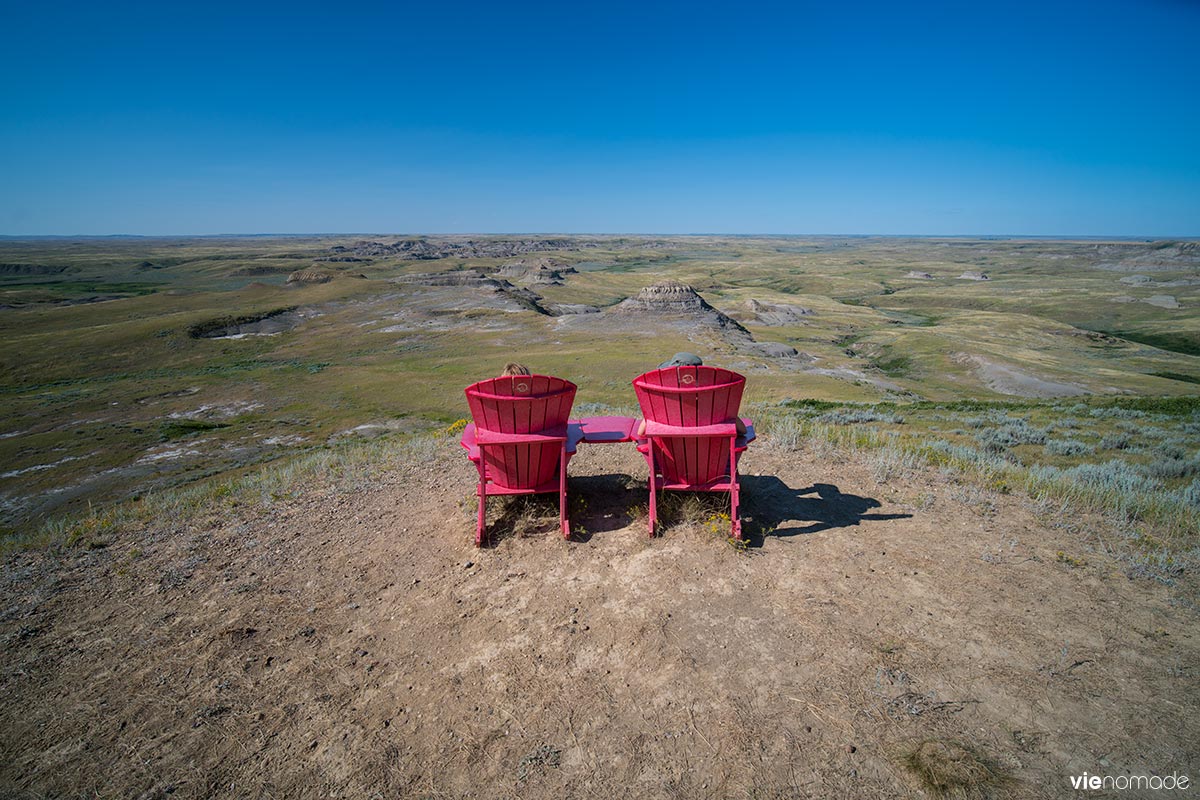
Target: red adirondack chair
691,441
520,440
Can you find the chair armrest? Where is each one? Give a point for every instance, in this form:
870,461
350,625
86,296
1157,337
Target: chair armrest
573,434
658,429
468,441
556,434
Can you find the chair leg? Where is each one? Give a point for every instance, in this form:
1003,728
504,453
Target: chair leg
735,520
481,523
563,521
653,490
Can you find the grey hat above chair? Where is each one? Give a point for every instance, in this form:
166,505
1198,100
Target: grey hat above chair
682,360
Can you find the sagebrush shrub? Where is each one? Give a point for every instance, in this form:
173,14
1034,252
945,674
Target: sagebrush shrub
1068,447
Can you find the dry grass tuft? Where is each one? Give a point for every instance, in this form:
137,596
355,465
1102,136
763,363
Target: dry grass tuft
947,768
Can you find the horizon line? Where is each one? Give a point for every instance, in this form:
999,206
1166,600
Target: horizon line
547,234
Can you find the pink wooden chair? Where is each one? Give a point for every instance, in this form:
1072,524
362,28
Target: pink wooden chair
520,439
691,441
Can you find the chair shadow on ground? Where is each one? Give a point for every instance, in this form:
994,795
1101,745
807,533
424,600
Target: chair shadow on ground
595,503
772,508
603,503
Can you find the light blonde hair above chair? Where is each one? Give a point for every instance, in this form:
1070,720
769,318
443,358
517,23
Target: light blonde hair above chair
513,368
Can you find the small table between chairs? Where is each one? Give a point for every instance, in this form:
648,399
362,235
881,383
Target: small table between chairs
604,430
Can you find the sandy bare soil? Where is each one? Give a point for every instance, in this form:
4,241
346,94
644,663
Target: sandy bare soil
339,645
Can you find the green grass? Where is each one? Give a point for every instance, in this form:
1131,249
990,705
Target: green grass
895,367
179,428
50,291
1178,376
1174,342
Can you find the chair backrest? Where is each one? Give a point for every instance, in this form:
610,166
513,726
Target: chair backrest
521,404
690,397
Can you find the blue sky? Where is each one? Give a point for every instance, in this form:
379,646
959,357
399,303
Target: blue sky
1037,118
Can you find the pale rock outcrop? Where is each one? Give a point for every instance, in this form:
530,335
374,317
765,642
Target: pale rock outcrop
309,276
671,298
775,314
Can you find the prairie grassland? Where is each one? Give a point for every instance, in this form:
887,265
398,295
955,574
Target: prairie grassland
110,395
1135,461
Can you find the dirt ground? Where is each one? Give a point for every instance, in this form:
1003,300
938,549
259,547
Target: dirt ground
357,645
